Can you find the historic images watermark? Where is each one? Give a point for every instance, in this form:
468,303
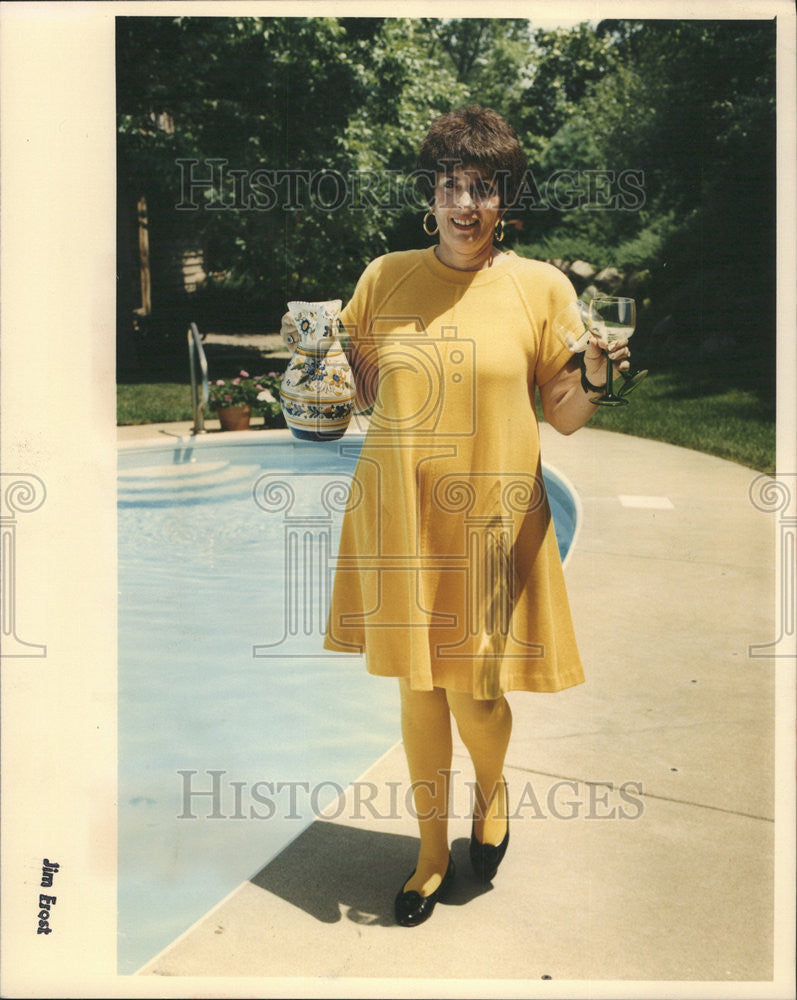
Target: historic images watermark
779,496
213,794
20,493
480,562
213,185
480,512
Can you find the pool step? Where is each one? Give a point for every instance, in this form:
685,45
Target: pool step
194,482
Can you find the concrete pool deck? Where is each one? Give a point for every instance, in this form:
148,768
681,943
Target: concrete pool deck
642,835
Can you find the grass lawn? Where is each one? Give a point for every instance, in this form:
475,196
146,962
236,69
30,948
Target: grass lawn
153,403
731,422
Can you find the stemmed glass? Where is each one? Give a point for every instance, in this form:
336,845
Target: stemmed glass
612,319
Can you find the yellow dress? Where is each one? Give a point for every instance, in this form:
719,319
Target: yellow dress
448,570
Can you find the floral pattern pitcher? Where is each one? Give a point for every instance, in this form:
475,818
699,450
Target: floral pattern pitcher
317,389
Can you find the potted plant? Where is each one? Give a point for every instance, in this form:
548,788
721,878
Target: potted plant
268,400
235,400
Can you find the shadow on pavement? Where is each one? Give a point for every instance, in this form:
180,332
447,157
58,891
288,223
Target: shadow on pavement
331,869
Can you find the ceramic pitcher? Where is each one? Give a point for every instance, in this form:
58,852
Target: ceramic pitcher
317,389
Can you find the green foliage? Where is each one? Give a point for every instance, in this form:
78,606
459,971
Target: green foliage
643,250
490,57
728,422
687,105
566,65
261,392
153,403
403,89
580,237
344,109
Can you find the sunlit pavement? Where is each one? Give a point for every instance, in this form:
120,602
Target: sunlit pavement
642,833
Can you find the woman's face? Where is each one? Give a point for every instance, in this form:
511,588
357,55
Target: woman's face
467,207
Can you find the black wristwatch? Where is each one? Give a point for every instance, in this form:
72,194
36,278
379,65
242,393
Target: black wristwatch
586,385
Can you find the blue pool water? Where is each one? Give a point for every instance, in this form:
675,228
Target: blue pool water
227,744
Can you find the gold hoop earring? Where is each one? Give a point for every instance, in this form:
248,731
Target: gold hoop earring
499,231
429,232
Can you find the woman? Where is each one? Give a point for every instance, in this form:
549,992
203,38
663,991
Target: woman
448,574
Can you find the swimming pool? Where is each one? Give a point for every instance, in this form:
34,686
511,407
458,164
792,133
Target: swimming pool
227,745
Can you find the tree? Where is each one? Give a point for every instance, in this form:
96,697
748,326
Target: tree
295,140
689,107
292,143
700,99
565,66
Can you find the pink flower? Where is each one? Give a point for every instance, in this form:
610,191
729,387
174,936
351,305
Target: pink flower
228,399
236,381
244,374
219,381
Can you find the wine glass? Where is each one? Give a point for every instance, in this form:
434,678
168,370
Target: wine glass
612,319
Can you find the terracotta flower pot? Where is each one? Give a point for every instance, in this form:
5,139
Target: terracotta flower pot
235,418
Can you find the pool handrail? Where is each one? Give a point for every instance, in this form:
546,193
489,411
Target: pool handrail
196,354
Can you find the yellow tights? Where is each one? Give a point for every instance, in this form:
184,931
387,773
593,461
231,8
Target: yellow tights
485,728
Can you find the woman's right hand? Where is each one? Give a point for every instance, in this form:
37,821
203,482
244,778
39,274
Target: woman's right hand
289,332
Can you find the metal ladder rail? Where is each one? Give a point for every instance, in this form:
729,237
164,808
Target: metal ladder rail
196,355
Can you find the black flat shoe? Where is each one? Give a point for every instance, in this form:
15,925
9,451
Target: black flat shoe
412,908
485,858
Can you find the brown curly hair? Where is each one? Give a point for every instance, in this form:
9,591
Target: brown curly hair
472,136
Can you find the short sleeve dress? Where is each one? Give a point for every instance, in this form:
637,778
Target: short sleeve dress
448,570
